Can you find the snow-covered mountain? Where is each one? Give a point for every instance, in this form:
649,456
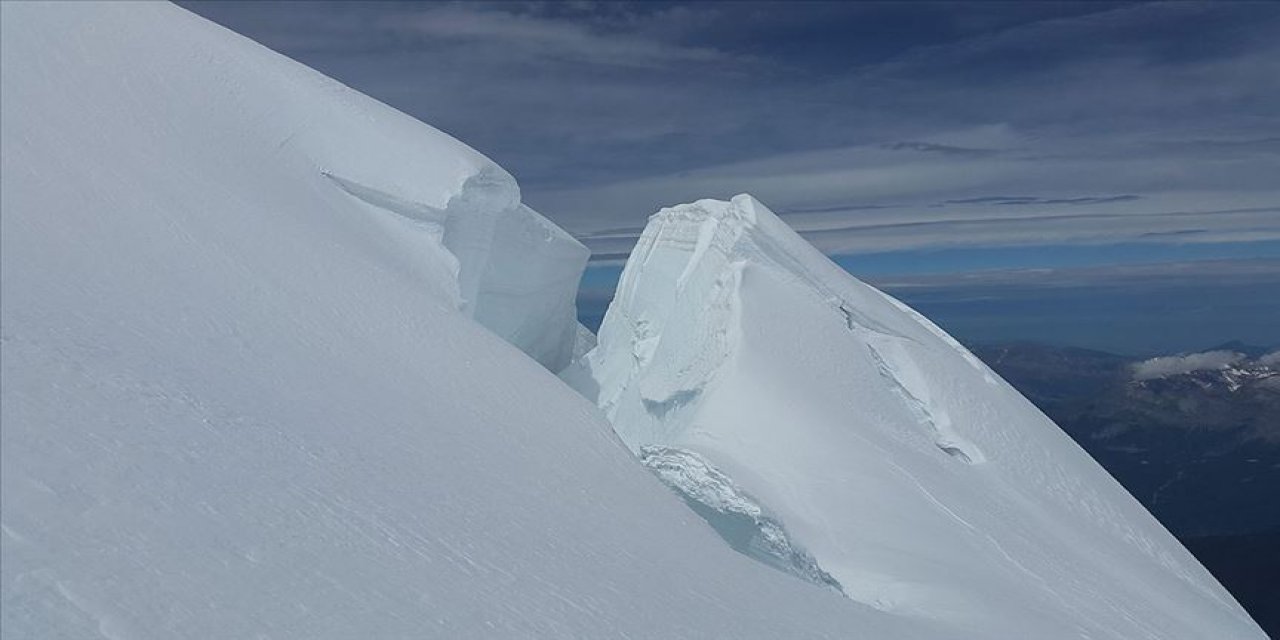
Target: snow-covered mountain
244,393
1228,371
911,474
278,362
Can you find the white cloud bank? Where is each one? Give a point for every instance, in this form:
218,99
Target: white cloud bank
1175,365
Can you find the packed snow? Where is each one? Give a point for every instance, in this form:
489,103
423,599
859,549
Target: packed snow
921,482
244,392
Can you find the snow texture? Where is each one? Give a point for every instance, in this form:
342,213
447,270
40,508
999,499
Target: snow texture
243,391
916,477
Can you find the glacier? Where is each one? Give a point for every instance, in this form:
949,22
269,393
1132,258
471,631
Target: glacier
921,482
269,367
279,361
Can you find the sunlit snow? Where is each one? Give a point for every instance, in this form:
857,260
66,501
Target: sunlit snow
914,476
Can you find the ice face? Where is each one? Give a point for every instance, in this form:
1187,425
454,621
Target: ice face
734,514
526,293
507,267
911,473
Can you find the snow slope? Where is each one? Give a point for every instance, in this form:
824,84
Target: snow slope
913,475
243,392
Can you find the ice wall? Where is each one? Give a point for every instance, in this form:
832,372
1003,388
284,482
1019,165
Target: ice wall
916,478
509,268
528,284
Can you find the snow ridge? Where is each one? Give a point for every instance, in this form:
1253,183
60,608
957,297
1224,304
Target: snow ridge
680,333
915,477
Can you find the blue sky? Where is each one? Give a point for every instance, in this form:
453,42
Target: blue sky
904,138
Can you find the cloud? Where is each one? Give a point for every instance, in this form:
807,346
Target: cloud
1175,365
532,35
870,127
870,198
1026,200
1258,275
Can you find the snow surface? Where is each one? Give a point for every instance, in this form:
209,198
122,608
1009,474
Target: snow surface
243,392
914,476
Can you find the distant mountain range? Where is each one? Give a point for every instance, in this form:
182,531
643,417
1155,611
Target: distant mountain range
1195,437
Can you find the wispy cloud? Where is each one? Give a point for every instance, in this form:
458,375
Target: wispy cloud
869,198
871,127
543,37
1246,273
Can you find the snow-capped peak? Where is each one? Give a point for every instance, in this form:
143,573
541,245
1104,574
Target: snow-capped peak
1207,370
